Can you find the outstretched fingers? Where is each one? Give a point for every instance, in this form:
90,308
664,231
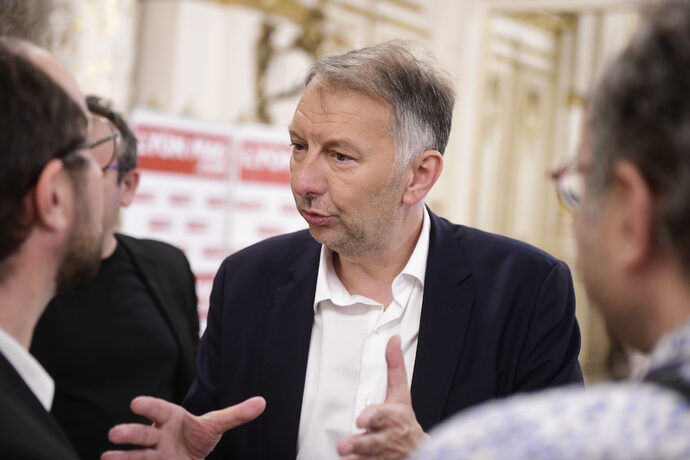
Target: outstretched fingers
157,410
130,455
134,433
234,416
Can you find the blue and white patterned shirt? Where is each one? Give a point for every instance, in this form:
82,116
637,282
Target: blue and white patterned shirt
631,420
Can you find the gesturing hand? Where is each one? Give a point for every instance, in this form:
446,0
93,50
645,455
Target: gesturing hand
392,430
176,434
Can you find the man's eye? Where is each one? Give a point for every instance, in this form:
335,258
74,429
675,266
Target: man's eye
296,146
340,157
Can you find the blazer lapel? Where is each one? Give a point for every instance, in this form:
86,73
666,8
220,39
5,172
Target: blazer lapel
290,332
448,299
149,277
34,415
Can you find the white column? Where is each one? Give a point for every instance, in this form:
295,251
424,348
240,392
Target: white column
197,59
97,42
458,30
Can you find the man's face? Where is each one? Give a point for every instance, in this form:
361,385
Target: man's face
106,154
587,224
344,176
84,240
595,227
82,254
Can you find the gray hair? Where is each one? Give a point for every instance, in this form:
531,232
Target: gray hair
420,95
26,19
640,112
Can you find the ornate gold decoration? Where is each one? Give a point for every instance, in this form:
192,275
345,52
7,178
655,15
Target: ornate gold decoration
298,13
293,10
313,39
422,33
412,6
576,100
547,20
310,41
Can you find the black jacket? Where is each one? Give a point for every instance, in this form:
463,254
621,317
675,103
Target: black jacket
95,350
498,317
27,430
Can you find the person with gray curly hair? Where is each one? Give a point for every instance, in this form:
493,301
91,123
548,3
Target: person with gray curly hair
632,228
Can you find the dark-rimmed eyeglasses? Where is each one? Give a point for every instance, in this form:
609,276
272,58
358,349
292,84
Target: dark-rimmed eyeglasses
103,141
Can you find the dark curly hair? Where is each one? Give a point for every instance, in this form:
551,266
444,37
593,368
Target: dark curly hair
640,112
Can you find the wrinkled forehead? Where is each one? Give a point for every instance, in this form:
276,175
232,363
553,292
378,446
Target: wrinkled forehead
331,100
336,90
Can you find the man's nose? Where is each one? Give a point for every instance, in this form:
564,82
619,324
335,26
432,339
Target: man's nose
307,177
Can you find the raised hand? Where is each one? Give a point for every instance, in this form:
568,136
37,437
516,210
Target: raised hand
392,430
176,434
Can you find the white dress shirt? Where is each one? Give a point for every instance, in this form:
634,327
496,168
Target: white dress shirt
33,374
347,370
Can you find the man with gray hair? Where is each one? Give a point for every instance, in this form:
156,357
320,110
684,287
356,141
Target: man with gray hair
315,321
51,238
632,228
324,323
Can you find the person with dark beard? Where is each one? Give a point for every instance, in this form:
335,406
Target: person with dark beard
133,329
50,232
51,237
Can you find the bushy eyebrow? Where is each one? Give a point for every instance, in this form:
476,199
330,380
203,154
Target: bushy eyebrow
341,145
337,143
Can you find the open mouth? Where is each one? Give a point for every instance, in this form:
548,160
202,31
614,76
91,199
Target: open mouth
315,218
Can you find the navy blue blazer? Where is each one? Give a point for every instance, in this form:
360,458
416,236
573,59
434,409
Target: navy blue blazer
498,317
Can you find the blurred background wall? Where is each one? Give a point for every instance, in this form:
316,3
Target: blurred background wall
522,70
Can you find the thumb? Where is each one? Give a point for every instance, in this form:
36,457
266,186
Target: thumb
396,390
234,416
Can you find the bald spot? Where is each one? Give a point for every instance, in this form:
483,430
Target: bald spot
48,64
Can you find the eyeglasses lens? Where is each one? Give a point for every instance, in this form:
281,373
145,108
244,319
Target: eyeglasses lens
102,141
570,188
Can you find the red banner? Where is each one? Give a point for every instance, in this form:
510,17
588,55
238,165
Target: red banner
262,161
182,151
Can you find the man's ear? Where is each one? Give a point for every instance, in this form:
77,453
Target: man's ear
426,169
129,187
633,205
52,197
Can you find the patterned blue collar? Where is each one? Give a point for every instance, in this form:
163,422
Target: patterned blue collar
673,348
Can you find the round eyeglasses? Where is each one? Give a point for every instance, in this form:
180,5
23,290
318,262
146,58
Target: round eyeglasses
103,141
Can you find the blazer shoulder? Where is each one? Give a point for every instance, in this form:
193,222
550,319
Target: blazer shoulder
278,250
162,264
482,248
147,246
